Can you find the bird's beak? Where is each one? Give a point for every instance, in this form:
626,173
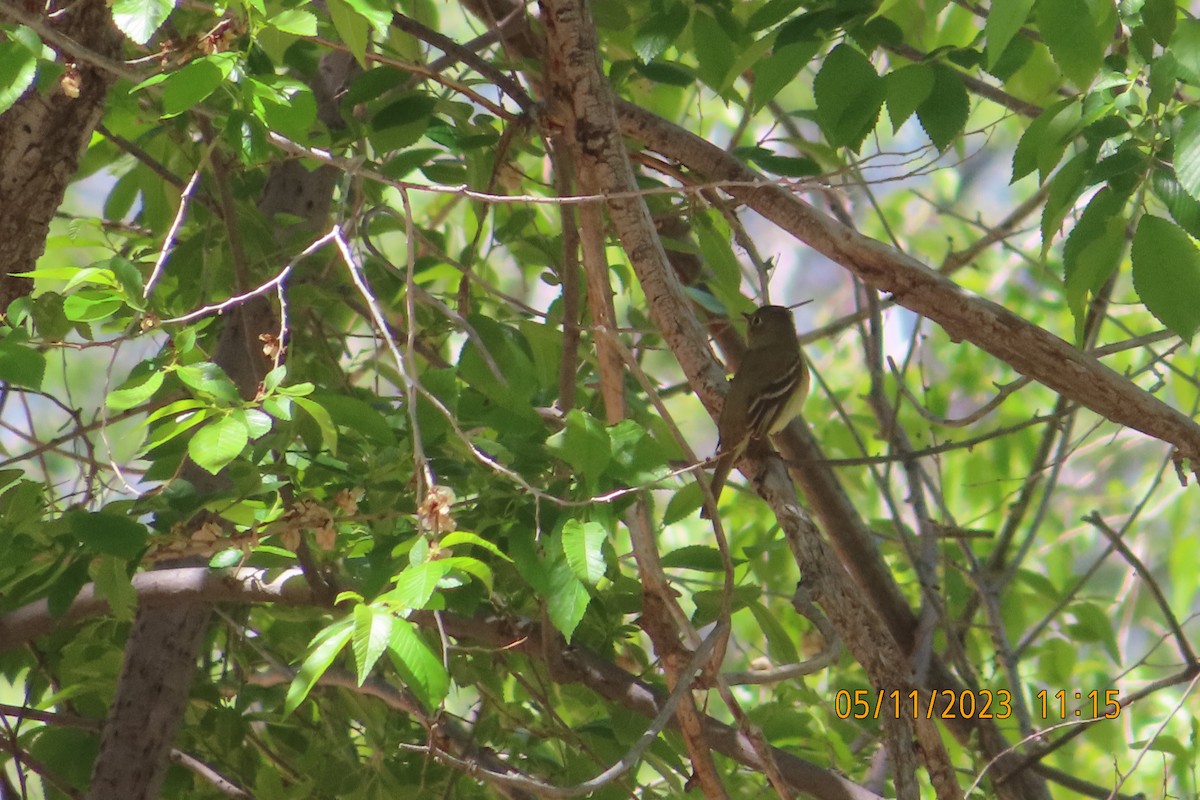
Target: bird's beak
746,316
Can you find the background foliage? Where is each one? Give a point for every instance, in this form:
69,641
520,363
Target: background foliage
417,450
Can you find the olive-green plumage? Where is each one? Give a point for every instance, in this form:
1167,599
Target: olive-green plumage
767,390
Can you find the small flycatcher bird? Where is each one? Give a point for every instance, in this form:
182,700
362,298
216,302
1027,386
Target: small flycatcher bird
767,390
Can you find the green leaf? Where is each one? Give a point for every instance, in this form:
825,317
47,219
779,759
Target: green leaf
1094,624
327,644
1072,37
582,544
135,391
660,31
91,306
18,65
1166,274
907,88
671,73
111,577
376,12
787,166
139,19
355,415
372,634
408,108
1184,208
66,586
421,670
567,600
1187,153
464,537
190,85
714,237
1159,17
770,13
780,647
295,21
219,442
283,105
1094,249
1064,189
329,433
714,51
21,365
1045,140
416,583
695,557
258,423
778,70
583,444
849,95
352,27
1185,47
1003,21
107,533
206,378
944,113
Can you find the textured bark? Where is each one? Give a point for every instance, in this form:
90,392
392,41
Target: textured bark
41,141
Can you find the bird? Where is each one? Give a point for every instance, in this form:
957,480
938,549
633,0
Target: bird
767,391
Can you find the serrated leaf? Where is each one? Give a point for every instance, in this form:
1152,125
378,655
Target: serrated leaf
421,670
18,65
1166,274
465,537
714,239
714,51
258,422
295,21
1094,249
1187,153
907,88
1045,140
944,113
583,443
849,95
780,647
787,166
21,365
1071,35
1185,47
696,557
351,27
771,13
328,644
219,442
107,533
567,600
193,83
582,545
671,73
779,69
135,392
111,577
1003,21
139,19
329,434
1064,189
1159,17
207,378
372,634
660,31
1184,208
